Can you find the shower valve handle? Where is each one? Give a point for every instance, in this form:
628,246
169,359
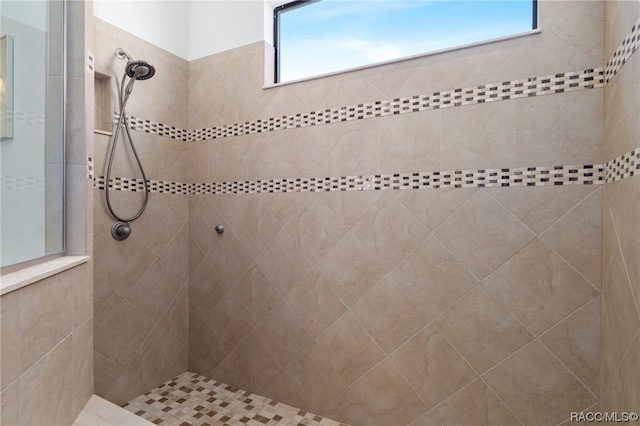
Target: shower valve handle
120,231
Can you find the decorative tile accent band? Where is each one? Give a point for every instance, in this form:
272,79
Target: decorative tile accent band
137,185
626,165
485,178
157,128
622,54
533,176
515,89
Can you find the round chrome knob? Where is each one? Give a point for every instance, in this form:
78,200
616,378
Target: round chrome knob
120,231
219,229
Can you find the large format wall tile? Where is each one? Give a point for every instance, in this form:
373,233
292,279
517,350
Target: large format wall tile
386,396
575,341
479,136
358,351
540,207
433,278
50,382
46,316
316,305
552,131
375,307
479,318
623,198
432,366
388,314
47,349
539,287
577,237
389,231
475,404
538,388
482,234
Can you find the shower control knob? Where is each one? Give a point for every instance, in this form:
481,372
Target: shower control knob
120,231
219,229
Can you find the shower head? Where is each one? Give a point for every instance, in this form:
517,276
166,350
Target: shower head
137,70
140,70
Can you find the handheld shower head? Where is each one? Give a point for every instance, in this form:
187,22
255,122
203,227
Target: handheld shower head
137,69
140,70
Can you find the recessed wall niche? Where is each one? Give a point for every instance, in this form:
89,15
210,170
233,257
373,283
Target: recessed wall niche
103,113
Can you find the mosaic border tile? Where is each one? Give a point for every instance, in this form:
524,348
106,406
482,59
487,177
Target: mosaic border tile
153,128
485,93
624,166
137,185
623,53
483,178
195,400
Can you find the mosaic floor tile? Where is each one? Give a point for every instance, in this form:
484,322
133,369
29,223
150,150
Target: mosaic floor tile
194,400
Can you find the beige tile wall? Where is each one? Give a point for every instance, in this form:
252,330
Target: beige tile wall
423,307
620,339
141,284
398,307
358,298
47,349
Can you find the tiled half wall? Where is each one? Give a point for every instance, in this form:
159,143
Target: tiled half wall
363,305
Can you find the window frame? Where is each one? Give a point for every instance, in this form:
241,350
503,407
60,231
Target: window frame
295,4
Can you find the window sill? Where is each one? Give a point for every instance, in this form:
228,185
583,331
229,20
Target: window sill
31,274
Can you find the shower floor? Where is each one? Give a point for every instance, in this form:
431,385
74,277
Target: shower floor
194,400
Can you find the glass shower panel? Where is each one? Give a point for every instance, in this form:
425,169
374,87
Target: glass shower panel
32,152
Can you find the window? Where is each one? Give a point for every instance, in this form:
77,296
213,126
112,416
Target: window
314,37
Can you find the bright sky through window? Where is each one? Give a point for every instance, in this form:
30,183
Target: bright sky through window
333,35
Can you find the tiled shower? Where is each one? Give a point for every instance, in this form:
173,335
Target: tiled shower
446,240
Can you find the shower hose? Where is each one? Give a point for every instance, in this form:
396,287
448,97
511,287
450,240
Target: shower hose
123,122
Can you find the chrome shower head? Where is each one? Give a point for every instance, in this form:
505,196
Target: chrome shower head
140,70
